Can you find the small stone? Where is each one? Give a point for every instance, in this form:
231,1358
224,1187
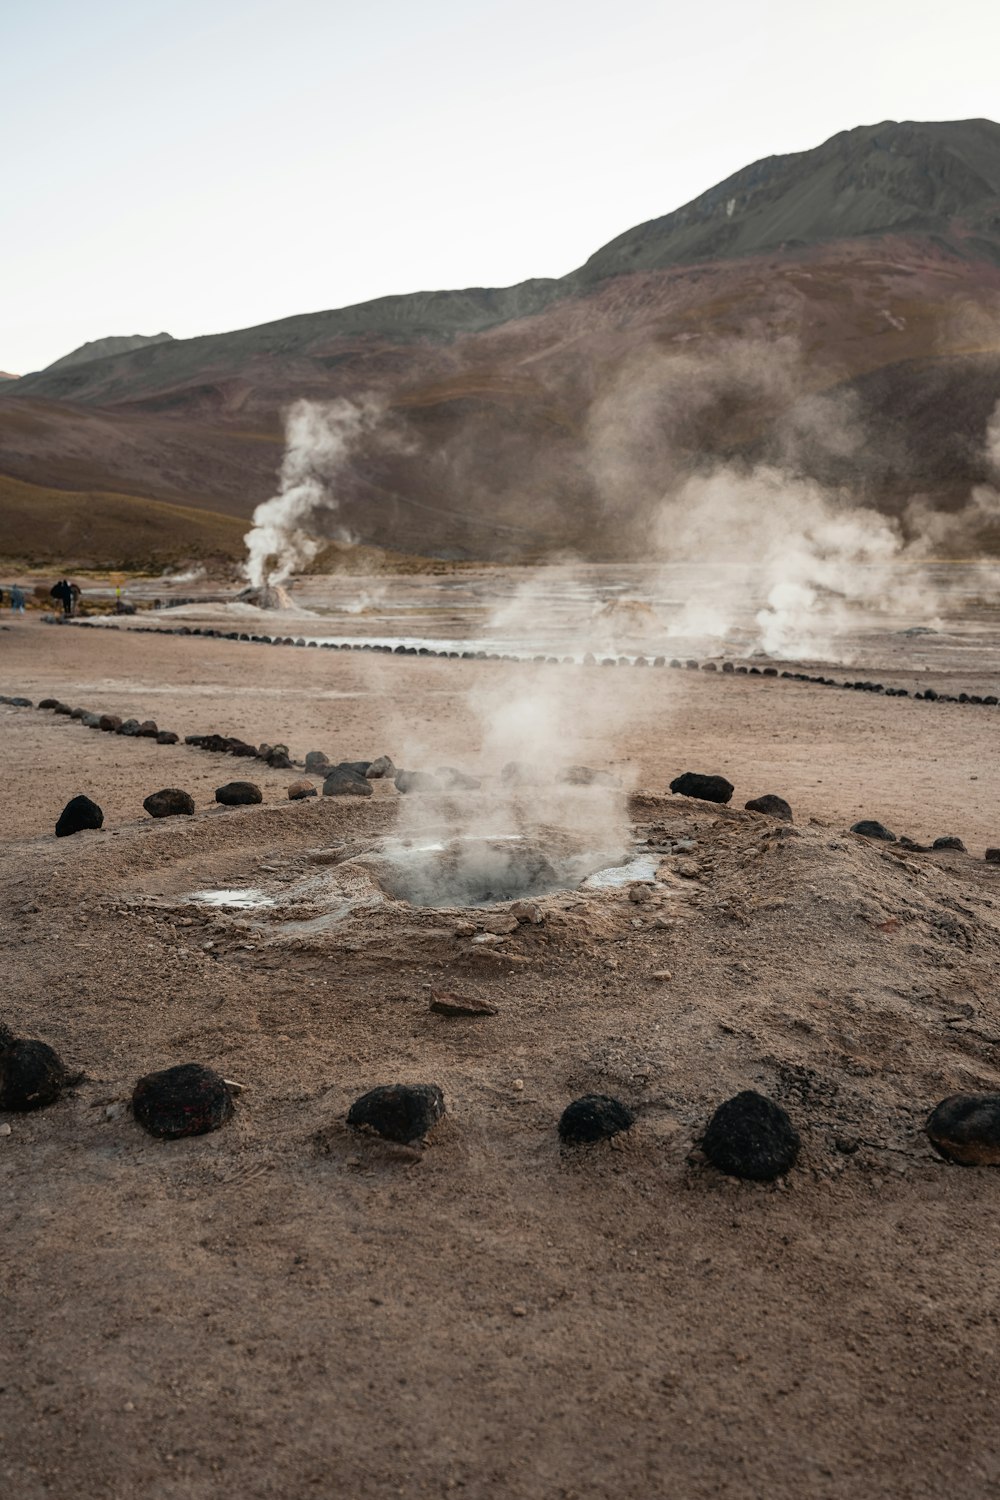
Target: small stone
5,1128
662,976
949,841
148,729
129,728
993,856
707,788
518,1085
527,911
402,1112
639,891
170,803
519,1310
380,768
344,783
300,789
444,1003
465,930
751,1137
114,1111
184,1100
166,737
238,794
771,806
32,1074
869,829
415,781
965,1128
317,762
488,939
594,1117
846,1144
78,814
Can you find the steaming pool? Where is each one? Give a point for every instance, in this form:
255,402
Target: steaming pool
920,615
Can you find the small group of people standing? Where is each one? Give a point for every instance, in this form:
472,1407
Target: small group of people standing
16,599
67,594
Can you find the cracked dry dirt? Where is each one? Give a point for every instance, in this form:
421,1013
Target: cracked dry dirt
283,1309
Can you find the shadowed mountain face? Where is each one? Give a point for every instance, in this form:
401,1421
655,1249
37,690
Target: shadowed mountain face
836,312
107,348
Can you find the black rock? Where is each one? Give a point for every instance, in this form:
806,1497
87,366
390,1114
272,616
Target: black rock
130,728
359,767
708,788
595,1117
166,737
148,729
992,856
186,1100
343,783
869,829
110,723
48,702
949,841
170,803
751,1136
771,806
317,762
402,1112
238,794
380,768
79,813
965,1128
32,1075
416,781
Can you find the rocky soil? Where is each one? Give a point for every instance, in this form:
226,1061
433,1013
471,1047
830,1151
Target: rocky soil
286,1306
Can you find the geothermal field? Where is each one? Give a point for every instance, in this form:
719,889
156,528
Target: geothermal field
463,869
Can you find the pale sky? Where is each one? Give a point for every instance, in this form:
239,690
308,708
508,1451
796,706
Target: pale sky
202,165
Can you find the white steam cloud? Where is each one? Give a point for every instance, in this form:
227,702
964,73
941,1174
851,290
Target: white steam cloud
289,529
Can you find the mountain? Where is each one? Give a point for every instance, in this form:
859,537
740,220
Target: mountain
107,348
845,282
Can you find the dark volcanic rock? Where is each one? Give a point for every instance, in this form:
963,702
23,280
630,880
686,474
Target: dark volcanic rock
317,762
594,1117
949,841
343,783
79,813
771,806
751,1136
110,723
31,1073
238,793
380,768
965,1128
708,788
869,829
993,856
186,1100
166,737
48,702
402,1112
359,767
171,802
300,789
129,728
416,781
148,729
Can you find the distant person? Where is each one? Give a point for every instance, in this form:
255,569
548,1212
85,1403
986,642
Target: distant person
17,600
74,597
62,592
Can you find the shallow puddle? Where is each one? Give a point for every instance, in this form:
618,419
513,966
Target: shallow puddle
243,899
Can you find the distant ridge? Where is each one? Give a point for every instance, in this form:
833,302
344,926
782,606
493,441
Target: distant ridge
835,310
106,348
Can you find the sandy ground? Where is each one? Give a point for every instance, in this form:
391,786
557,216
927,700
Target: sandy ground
286,1309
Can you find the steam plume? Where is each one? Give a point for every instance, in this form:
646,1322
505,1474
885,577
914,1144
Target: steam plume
289,529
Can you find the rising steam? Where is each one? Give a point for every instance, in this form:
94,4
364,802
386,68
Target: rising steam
289,529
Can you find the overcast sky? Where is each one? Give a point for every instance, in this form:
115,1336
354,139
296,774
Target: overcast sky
201,165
